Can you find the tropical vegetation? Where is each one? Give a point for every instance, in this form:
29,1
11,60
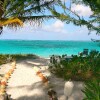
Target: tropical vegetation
69,16
14,13
92,90
4,58
78,67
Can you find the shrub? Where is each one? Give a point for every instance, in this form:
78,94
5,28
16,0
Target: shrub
78,67
92,90
9,57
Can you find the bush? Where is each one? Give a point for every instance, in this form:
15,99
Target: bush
9,57
78,67
92,90
3,59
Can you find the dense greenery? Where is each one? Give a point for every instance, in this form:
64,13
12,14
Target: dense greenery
10,57
78,67
35,11
92,90
3,59
24,10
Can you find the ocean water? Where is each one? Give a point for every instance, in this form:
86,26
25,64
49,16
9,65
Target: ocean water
46,48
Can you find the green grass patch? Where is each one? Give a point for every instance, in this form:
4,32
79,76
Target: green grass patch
10,57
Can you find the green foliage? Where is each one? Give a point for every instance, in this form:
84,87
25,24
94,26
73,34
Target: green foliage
25,10
78,67
10,57
93,4
69,16
35,11
92,90
3,59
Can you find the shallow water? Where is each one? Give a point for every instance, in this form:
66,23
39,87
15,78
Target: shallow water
46,48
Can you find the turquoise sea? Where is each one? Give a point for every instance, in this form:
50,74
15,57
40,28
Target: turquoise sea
46,48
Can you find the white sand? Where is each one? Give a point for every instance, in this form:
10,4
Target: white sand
5,68
24,84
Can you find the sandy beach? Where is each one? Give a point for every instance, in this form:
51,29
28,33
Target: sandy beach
24,84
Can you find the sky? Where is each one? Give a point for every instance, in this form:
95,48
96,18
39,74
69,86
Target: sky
53,29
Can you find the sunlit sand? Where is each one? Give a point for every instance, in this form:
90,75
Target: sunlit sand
24,84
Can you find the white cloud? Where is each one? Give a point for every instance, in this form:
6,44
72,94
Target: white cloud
64,0
58,24
82,10
56,27
52,31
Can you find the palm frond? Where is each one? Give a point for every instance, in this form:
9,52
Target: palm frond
36,20
13,13
5,22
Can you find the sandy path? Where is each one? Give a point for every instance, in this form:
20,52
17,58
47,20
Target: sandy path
5,68
24,84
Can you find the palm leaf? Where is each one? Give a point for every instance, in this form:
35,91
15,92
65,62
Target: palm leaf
25,9
92,90
14,12
10,21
